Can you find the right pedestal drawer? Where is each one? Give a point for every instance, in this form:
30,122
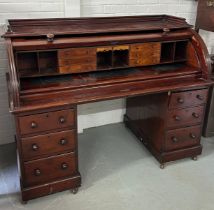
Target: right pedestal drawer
182,137
188,98
185,117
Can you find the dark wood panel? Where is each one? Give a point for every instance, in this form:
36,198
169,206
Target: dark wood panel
93,25
91,41
205,13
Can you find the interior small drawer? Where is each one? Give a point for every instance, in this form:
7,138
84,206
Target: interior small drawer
49,169
185,117
77,68
53,143
76,52
77,60
188,98
46,121
145,54
183,137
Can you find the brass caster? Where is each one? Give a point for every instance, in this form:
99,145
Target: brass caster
74,191
195,158
162,166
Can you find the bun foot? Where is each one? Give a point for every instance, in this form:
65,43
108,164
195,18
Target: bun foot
195,158
74,191
162,166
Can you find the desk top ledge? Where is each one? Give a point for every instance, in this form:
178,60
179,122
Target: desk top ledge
92,25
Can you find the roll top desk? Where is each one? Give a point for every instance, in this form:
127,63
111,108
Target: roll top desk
158,63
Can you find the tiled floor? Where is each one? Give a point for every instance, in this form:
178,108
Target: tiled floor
118,173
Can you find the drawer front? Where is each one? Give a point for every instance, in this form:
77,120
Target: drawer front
188,98
48,144
49,169
145,54
70,53
185,117
46,121
77,60
183,137
77,68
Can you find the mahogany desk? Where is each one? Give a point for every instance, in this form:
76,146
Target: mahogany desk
205,21
158,63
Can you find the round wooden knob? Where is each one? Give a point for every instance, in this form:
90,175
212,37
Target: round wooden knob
64,166
35,147
62,120
180,100
200,97
37,172
174,139
177,118
63,141
33,125
50,37
166,31
195,115
192,135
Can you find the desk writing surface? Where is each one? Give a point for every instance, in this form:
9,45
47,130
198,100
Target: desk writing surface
106,77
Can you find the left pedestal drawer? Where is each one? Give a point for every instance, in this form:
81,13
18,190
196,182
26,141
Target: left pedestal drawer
46,121
49,169
48,144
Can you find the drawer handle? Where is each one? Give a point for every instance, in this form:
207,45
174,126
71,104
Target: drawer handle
50,37
180,100
35,147
174,139
62,120
200,97
192,135
63,141
166,31
177,118
64,166
195,115
33,125
37,172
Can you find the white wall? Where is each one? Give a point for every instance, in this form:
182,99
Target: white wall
95,114
10,9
